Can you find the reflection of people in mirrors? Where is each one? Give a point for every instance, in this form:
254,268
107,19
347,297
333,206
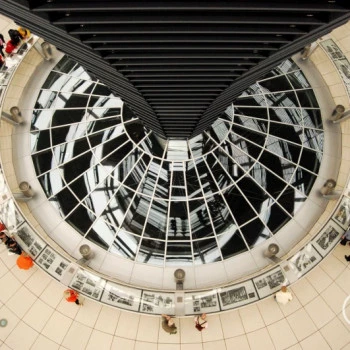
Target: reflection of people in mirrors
168,324
345,237
201,322
283,296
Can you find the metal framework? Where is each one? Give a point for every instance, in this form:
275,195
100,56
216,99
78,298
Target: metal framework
178,64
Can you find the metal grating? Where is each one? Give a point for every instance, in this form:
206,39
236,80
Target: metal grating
178,64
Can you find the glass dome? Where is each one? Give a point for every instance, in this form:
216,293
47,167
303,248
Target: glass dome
176,202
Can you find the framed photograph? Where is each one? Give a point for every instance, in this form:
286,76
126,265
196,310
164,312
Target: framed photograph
159,303
10,216
328,237
29,240
342,213
88,284
197,303
121,296
55,264
237,295
270,282
332,49
304,260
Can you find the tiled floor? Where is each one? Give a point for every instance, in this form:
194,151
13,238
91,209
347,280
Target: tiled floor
39,318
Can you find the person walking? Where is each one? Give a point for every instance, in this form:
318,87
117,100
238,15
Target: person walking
283,296
201,322
72,296
168,324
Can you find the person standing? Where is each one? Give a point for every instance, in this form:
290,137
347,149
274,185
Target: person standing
345,238
283,296
168,324
24,261
72,296
201,322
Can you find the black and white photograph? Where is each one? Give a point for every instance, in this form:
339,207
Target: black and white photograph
342,213
201,302
162,303
53,263
237,295
328,238
93,289
332,49
270,282
343,66
121,296
304,260
26,237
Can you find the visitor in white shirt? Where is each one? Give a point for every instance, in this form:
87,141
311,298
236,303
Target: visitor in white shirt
283,296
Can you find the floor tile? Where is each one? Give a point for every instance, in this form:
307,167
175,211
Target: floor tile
42,343
214,345
148,329
188,332
21,301
38,308
335,334
169,347
343,281
334,296
304,291
231,323
319,279
9,285
301,324
240,342
270,311
251,318
88,313
12,321
67,309
57,327
291,307
99,340
22,337
332,266
122,344
37,282
23,275
77,336
192,347
139,345
319,312
315,341
214,330
52,294
127,325
107,320
282,335
260,340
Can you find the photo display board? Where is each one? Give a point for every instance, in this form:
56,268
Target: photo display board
197,303
29,240
157,303
88,284
270,282
53,263
237,295
121,296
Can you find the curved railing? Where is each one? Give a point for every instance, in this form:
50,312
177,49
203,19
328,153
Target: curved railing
107,291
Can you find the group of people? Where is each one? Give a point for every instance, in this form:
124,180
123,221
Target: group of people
16,38
169,326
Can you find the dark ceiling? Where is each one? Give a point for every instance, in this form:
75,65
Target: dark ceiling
178,64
